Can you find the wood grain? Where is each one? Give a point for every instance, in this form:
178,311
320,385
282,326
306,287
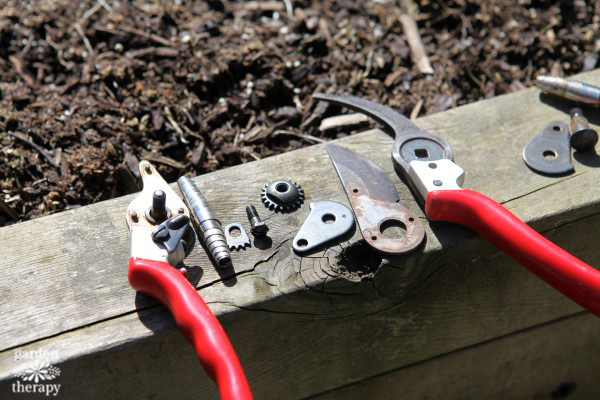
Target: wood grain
558,352
314,323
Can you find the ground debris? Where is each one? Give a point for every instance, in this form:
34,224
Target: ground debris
88,88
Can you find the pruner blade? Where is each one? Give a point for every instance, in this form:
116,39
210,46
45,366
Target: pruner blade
411,142
374,199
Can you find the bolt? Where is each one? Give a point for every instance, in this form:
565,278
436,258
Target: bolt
159,202
258,227
582,136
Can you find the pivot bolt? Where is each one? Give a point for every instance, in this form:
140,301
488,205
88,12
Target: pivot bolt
583,137
258,227
158,212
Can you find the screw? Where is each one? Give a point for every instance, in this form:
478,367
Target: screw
582,136
258,227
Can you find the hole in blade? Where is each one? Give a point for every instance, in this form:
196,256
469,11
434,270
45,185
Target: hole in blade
393,229
302,243
549,154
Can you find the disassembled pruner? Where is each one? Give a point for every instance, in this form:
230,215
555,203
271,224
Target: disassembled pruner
427,165
328,220
375,202
146,215
549,152
239,241
158,219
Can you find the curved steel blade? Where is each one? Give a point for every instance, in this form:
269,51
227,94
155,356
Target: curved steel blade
375,202
410,143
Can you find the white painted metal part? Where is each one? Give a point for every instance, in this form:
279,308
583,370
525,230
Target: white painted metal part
429,176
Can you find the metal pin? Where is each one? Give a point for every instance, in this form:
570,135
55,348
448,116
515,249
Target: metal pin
209,227
572,90
583,137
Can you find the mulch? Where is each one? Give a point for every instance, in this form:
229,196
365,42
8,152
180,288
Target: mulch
89,88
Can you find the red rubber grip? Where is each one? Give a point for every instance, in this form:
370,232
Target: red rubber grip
195,321
567,274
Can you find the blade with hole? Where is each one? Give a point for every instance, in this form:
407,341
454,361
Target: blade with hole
375,202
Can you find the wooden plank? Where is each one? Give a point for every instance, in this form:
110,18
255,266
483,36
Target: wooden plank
558,354
464,303
65,284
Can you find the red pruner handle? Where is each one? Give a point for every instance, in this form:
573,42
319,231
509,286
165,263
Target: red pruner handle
195,321
567,274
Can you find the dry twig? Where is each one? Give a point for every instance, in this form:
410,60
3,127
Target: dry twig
417,50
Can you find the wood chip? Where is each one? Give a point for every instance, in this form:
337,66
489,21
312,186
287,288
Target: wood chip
7,210
165,160
343,121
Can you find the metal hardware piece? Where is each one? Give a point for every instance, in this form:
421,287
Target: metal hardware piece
258,227
411,142
583,137
209,228
171,232
282,195
158,212
236,242
549,152
328,220
375,202
572,90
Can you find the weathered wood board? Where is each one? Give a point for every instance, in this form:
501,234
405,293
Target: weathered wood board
555,355
303,326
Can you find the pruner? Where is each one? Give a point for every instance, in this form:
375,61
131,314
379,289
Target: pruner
425,163
158,220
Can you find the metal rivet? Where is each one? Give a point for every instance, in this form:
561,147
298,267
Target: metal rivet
437,183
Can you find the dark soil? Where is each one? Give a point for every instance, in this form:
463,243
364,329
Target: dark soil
88,88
